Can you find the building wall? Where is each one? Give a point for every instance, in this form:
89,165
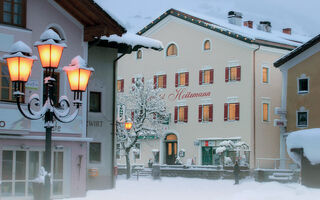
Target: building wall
189,39
310,100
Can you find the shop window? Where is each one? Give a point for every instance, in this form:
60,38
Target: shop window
265,112
181,114
205,77
231,111
302,119
95,101
120,85
265,75
303,85
139,54
232,74
182,79
160,81
95,152
57,173
205,113
207,45
172,50
13,12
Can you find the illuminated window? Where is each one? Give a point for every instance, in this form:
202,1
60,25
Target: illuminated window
265,75
120,85
233,74
206,76
181,114
139,54
265,112
13,12
231,111
205,113
182,79
172,50
207,45
160,81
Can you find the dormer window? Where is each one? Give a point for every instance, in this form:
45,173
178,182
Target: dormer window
207,45
172,50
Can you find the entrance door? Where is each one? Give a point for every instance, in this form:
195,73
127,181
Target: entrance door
207,156
171,149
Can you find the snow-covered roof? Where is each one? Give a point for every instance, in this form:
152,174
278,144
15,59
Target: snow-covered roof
134,40
308,140
251,35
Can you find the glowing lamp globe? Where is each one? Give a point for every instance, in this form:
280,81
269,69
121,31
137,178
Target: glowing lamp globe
50,49
78,74
19,61
128,125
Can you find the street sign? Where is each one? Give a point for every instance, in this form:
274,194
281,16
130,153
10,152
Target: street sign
121,110
280,123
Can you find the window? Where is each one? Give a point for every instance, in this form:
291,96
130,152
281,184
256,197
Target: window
265,112
182,79
118,151
207,45
302,118
181,114
265,75
205,77
95,152
95,101
160,81
205,113
136,150
6,86
120,85
233,73
231,111
172,50
13,12
139,54
303,85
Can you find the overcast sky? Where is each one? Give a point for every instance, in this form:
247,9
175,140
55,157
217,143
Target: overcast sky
301,15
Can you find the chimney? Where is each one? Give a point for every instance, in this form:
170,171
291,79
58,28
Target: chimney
248,24
286,31
235,18
265,26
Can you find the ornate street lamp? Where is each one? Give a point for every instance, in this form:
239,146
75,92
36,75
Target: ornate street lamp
20,62
128,125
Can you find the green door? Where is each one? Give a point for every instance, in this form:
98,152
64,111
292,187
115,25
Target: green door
207,156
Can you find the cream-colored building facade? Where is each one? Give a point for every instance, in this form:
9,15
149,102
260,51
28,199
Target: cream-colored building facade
237,101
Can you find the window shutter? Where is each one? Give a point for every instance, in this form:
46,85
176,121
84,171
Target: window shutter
238,73
132,80
132,116
175,114
200,77
211,76
187,78
177,79
122,85
227,74
200,113
165,81
142,79
237,111
225,112
210,112
154,82
186,114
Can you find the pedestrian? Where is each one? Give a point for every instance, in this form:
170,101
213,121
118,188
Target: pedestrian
236,172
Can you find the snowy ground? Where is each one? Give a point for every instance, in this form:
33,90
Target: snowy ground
191,189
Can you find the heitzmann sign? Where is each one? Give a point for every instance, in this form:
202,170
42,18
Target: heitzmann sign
182,93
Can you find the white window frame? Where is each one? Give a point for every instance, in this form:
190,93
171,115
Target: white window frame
173,56
266,100
232,100
181,104
303,76
182,72
232,64
206,69
302,109
207,104
268,75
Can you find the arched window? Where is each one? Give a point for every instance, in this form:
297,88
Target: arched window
139,54
171,137
207,45
172,50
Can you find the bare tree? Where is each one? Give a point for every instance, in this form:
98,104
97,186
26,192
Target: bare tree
147,110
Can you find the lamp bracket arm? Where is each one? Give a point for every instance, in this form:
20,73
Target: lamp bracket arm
65,119
30,114
64,108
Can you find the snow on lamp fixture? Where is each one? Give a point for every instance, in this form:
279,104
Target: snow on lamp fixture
20,61
50,49
78,75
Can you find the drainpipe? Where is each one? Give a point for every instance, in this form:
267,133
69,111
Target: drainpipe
254,105
114,118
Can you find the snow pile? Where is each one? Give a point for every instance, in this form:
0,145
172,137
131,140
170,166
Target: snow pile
41,176
309,140
193,188
134,40
220,150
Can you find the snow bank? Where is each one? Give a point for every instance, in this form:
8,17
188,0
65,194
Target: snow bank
309,140
134,40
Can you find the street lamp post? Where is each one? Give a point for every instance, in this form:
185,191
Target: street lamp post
20,61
